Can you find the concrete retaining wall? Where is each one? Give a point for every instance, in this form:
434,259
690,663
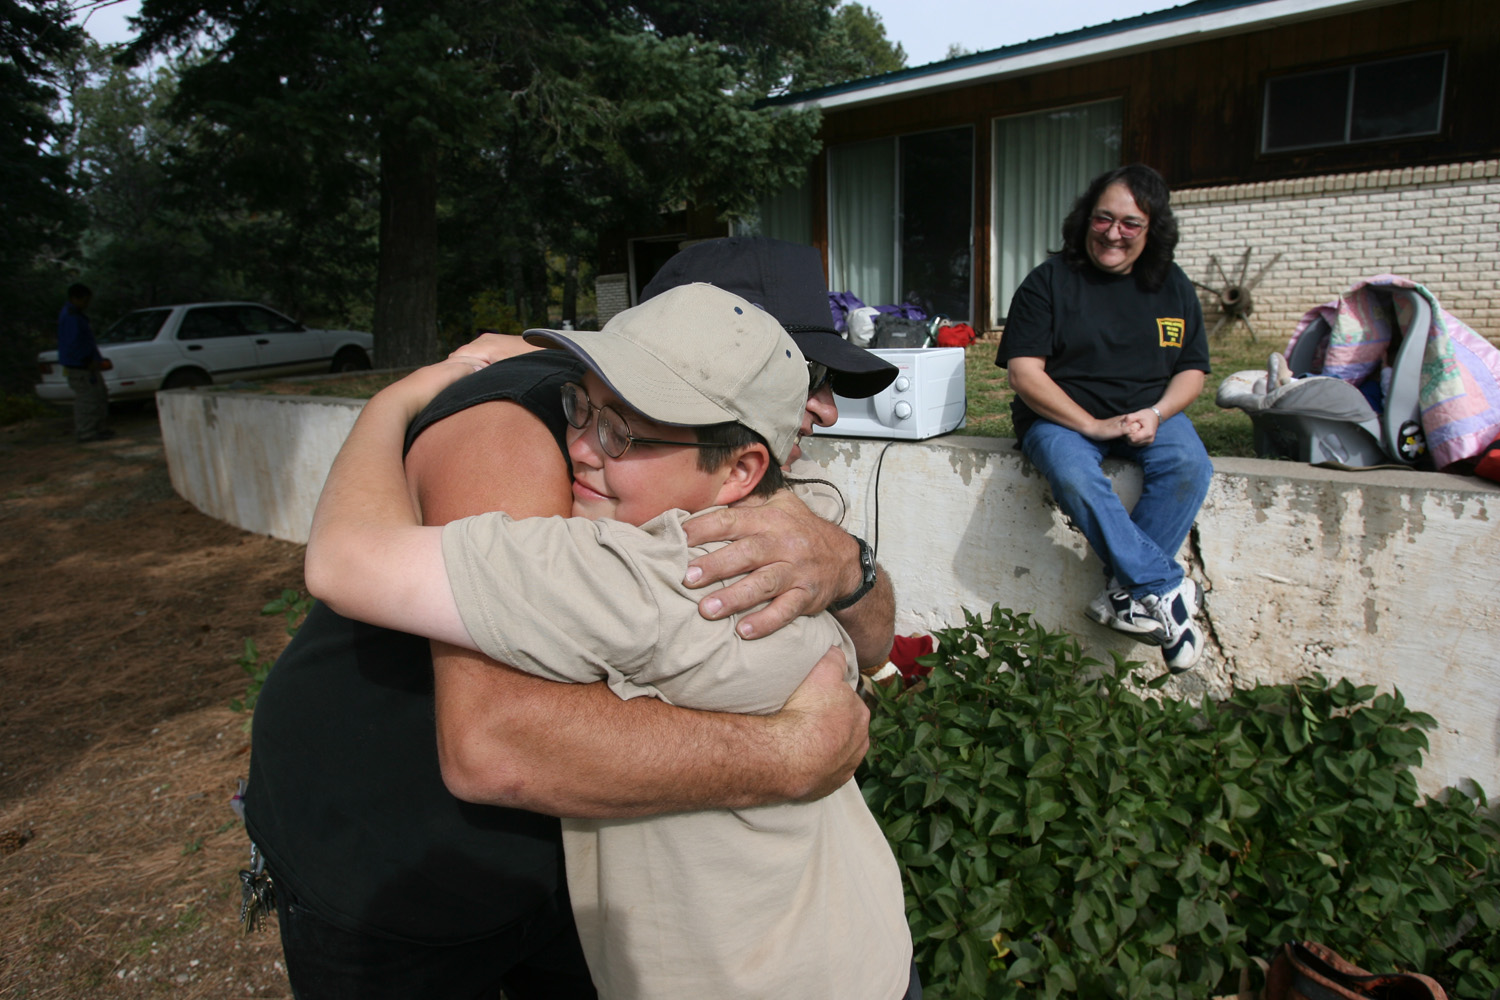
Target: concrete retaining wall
1389,578
254,460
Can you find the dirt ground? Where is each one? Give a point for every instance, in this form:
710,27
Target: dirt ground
127,611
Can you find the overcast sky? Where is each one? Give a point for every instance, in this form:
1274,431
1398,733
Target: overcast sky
925,28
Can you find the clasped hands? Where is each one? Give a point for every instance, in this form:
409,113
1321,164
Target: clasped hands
1138,428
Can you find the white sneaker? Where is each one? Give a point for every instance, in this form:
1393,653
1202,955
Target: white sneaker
1100,609
1115,608
1181,641
1192,594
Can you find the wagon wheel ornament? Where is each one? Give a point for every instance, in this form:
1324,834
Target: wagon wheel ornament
1233,297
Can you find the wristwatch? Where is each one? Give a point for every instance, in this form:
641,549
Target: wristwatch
867,567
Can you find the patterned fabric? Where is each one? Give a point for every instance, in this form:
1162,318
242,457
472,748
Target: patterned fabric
1460,384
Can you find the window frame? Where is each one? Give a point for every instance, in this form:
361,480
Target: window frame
1350,71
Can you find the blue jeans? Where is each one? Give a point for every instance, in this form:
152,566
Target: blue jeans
1139,548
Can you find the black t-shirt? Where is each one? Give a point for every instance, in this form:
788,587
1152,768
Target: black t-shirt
1111,346
345,795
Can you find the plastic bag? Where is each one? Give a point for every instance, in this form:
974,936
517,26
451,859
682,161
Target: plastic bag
862,326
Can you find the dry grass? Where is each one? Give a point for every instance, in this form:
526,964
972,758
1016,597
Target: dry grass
118,752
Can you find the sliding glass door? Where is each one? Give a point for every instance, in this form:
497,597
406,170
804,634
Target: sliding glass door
900,220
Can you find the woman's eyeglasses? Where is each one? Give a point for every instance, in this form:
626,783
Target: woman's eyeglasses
614,433
1129,228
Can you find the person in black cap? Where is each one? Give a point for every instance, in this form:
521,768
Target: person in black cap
390,783
785,279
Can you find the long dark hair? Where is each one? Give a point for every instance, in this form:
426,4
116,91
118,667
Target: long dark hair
1150,192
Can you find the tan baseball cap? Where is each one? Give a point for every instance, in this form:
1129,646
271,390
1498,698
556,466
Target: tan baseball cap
697,355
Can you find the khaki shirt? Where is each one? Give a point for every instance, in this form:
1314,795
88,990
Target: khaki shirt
792,900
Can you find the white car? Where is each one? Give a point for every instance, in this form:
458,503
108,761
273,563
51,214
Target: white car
207,343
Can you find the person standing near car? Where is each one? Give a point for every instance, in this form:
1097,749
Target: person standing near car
79,355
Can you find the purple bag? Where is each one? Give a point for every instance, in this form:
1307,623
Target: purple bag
904,309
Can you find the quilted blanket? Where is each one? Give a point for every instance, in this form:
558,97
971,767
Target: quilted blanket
1460,385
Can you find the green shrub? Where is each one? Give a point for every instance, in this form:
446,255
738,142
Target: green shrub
16,407
291,605
1060,832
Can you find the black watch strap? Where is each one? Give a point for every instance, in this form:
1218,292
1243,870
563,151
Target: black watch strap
867,567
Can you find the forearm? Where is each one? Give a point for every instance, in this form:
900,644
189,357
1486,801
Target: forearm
509,739
871,623
1029,378
1180,393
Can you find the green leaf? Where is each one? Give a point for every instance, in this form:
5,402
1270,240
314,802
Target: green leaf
939,832
957,738
1048,766
898,830
1488,912
1048,811
1242,804
1060,980
1192,916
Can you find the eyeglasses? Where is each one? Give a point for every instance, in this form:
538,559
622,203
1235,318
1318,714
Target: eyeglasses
818,375
1129,228
614,433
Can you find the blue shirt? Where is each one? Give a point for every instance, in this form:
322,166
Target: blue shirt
75,341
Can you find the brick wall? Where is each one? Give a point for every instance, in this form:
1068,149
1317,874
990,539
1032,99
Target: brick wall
612,294
1439,226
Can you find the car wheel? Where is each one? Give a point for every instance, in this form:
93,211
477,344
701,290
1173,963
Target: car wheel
350,359
186,378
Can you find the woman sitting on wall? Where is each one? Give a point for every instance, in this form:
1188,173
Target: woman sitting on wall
1105,347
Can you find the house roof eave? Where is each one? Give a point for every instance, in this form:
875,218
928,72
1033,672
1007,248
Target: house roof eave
1137,34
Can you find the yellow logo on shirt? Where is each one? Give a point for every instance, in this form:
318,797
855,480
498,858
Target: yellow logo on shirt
1170,331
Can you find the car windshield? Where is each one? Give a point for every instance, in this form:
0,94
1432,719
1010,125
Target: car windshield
132,328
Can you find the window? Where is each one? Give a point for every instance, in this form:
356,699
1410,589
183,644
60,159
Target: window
136,327
901,220
1365,103
257,320
1042,163
210,323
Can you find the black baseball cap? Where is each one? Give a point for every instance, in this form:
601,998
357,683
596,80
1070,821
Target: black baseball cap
786,280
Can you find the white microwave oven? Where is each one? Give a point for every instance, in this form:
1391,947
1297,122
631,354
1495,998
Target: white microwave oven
926,399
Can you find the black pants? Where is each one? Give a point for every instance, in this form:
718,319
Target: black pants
536,959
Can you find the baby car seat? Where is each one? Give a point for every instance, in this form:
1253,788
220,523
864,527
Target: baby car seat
1327,421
